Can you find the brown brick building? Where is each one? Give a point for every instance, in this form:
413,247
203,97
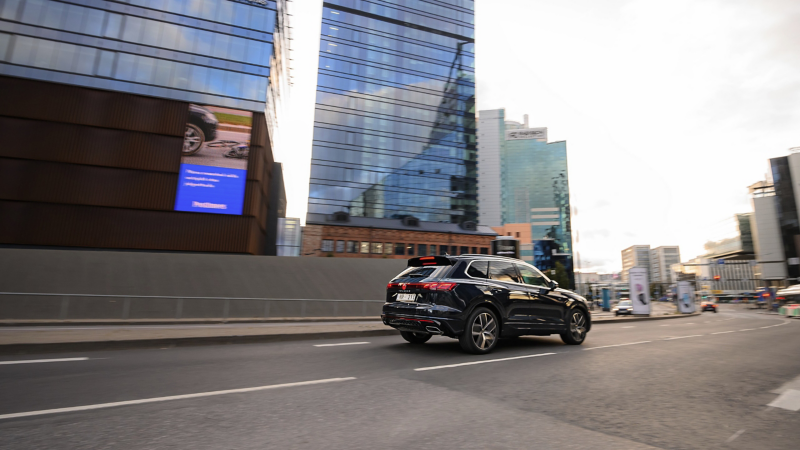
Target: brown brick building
341,235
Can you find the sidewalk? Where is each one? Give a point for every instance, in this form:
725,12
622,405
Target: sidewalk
61,338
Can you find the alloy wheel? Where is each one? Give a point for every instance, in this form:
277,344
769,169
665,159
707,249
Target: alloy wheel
191,140
577,325
484,330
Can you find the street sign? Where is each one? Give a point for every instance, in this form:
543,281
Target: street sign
720,261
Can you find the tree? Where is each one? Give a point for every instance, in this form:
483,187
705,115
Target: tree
561,275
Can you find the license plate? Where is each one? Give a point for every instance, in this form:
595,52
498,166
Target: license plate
406,297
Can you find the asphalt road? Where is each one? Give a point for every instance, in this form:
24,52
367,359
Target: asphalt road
694,383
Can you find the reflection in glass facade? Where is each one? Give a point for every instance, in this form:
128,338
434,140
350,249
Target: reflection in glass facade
394,130
213,52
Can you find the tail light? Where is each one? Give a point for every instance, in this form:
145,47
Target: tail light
423,286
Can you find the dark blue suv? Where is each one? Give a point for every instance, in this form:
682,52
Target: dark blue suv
478,299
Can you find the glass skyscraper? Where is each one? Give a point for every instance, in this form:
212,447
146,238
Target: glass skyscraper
394,130
533,188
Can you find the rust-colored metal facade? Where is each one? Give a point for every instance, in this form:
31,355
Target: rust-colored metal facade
82,167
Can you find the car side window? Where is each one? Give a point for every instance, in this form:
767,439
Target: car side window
503,271
478,269
531,276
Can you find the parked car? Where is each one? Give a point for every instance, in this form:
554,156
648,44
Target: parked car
623,307
708,306
201,127
479,299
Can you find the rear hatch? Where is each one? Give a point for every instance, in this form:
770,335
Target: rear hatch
421,281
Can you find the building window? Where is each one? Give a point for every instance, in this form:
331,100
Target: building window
463,250
517,233
339,246
377,248
453,250
327,245
387,248
422,250
365,247
474,250
443,250
484,250
399,249
351,247
410,250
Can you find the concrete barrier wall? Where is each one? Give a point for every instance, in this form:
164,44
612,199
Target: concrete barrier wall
293,287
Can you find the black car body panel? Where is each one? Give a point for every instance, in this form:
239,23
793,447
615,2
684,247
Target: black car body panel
438,299
205,120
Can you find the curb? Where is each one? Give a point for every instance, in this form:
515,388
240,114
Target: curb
134,322
16,349
60,347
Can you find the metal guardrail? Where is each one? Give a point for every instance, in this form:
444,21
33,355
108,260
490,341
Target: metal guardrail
125,312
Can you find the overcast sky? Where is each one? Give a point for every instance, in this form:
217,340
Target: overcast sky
670,108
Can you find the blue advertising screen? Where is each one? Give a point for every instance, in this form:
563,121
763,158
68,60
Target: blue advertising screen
214,160
209,189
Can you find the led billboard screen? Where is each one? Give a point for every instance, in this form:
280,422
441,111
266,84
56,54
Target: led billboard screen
214,160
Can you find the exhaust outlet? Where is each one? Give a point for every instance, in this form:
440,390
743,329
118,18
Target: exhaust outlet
433,330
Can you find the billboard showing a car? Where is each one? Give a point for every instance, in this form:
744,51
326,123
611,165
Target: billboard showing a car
213,171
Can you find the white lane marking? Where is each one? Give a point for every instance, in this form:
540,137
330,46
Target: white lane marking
735,435
747,329
682,337
172,397
481,362
664,325
33,361
690,323
617,345
723,332
344,343
629,326
790,399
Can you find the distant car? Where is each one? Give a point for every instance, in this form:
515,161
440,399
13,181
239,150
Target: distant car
708,306
201,127
623,307
479,299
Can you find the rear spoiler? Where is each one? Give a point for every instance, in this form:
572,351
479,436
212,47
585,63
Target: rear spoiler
430,261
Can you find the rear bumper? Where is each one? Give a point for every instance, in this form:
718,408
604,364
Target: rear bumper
406,319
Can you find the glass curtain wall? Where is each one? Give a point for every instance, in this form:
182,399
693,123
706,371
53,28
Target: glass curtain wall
212,52
394,130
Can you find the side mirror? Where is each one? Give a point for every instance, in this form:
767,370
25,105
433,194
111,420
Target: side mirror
553,285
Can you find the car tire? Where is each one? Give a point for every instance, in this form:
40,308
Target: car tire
193,140
481,332
415,338
715,310
576,328
617,314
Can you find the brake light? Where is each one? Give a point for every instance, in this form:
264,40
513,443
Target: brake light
427,257
424,286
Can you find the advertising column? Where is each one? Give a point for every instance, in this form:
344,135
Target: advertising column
639,290
685,297
214,160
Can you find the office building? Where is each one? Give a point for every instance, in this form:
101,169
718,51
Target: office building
731,238
491,132
140,124
290,237
394,125
342,235
533,189
661,260
766,230
635,256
